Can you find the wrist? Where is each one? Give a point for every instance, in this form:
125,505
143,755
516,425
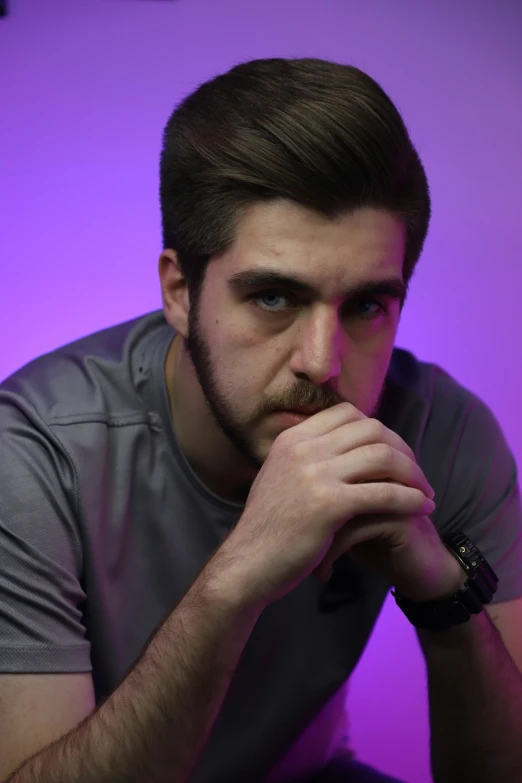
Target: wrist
457,639
227,579
451,577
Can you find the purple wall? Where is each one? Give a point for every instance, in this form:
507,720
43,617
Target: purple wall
85,90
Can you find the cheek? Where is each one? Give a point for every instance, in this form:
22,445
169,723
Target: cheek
376,359
374,334
370,342
376,343
242,364
251,352
365,363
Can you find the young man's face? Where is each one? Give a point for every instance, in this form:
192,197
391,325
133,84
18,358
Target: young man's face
259,347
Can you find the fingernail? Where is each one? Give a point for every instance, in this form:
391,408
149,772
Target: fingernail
432,492
430,506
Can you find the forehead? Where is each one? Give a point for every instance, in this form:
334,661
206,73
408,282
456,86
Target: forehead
355,248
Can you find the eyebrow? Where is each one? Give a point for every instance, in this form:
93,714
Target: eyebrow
250,279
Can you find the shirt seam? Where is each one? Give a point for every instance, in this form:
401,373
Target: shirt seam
100,418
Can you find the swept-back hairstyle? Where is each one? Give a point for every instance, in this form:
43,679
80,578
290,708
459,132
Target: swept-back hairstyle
321,134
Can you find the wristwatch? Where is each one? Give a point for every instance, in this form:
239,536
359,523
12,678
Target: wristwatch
478,590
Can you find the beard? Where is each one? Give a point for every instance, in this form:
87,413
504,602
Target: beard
198,349
223,413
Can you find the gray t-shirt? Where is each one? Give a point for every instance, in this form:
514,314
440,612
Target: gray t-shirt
103,527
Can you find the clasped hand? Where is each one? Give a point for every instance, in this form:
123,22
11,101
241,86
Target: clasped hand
340,482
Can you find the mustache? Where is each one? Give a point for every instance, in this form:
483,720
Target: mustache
320,401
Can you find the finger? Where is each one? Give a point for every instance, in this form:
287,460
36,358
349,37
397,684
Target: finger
365,432
366,528
328,420
374,527
381,498
355,534
379,462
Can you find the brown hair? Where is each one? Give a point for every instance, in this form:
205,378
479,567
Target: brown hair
319,133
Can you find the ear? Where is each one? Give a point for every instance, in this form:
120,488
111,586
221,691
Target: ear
174,292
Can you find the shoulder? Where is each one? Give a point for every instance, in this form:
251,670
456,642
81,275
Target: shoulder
426,406
96,376
456,437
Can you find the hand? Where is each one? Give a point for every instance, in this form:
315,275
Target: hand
407,551
320,477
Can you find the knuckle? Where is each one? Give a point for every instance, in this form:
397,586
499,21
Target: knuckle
380,453
323,496
299,449
386,494
376,429
292,448
346,406
385,454
285,438
322,492
294,453
352,411
308,473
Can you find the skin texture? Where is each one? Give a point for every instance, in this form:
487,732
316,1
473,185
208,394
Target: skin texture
233,363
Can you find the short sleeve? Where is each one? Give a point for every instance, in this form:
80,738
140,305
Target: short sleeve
41,597
482,497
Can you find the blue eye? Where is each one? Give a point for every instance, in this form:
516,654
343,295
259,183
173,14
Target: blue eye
271,307
365,309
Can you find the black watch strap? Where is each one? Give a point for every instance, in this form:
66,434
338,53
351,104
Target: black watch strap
478,590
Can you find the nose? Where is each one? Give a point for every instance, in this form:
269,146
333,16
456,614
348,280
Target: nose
317,355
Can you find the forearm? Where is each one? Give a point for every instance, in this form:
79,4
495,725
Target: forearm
475,700
155,725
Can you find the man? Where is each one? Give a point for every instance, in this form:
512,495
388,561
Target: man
190,571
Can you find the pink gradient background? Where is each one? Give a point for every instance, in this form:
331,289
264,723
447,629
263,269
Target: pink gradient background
85,91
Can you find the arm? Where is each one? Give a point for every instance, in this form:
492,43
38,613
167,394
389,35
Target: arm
474,685
475,698
155,725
